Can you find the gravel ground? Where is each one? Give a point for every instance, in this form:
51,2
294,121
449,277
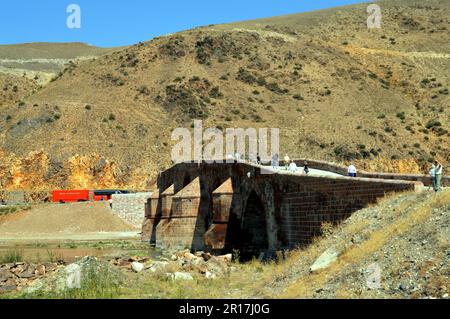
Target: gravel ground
65,221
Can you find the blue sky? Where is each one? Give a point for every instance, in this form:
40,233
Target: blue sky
113,23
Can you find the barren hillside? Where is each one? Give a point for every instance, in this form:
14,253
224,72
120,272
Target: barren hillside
337,91
42,62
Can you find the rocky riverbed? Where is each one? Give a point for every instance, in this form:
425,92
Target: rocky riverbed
16,276
185,262
183,265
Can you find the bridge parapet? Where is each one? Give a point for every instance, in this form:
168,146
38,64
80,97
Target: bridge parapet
338,169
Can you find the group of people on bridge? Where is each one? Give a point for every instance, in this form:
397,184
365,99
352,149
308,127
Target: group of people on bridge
291,166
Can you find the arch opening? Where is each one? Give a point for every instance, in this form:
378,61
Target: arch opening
248,234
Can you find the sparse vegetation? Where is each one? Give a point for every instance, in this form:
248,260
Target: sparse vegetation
11,256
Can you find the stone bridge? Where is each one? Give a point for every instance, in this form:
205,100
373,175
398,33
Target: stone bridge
220,207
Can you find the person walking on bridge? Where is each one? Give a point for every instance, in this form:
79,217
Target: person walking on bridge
438,173
293,167
306,168
287,160
432,173
352,172
275,161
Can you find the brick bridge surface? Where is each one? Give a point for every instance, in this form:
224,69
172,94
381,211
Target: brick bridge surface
220,207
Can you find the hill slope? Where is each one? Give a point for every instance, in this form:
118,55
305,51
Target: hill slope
41,62
406,236
337,91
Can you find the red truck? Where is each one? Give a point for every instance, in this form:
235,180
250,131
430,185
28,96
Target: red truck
70,196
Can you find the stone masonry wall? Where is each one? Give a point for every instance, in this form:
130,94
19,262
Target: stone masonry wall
209,203
130,207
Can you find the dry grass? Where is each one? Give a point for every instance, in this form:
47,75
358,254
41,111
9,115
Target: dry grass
410,215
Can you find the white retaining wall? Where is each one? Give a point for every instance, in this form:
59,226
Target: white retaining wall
130,207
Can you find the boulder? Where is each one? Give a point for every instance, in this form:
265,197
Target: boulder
50,267
124,263
8,288
181,254
206,256
157,265
210,275
137,267
325,260
40,270
227,258
5,274
180,276
203,269
189,257
28,272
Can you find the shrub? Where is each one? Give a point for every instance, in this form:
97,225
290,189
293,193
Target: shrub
274,87
112,117
261,81
245,76
441,131
433,123
257,118
342,152
143,89
215,93
401,115
11,256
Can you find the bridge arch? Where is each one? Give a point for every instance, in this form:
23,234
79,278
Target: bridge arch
247,233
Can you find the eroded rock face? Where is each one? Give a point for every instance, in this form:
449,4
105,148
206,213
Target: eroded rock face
39,171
